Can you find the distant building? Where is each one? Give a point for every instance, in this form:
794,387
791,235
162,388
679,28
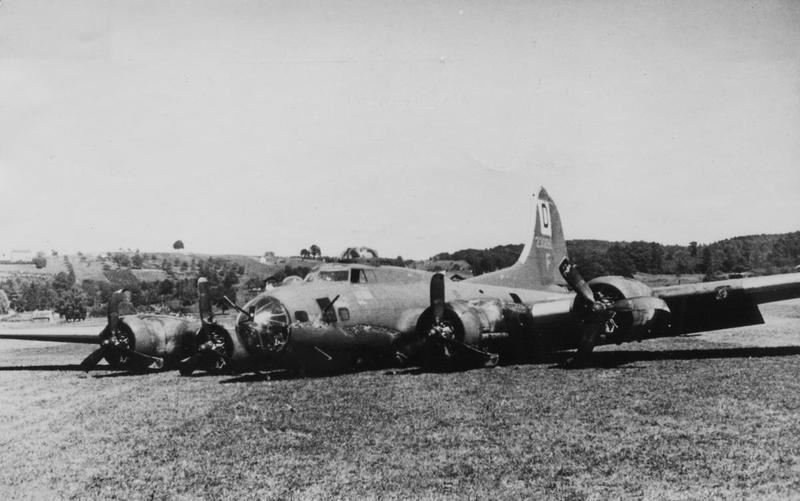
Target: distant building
17,256
267,258
42,316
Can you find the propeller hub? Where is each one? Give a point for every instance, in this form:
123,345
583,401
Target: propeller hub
443,331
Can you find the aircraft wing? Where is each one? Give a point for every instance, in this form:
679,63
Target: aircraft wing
726,303
28,335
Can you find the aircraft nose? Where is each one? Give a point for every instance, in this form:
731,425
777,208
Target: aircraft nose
265,331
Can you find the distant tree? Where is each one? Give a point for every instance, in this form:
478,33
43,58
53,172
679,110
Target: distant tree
315,251
710,263
786,250
680,262
36,296
229,280
71,304
92,291
122,259
63,281
53,252
184,266
304,253
40,261
487,263
646,256
619,262
178,244
590,256
166,287
4,302
693,249
137,260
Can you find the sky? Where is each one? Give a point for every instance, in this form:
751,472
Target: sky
411,127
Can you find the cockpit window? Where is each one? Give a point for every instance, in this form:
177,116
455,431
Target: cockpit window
328,276
358,276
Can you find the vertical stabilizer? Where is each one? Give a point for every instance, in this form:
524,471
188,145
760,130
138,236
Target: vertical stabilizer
537,266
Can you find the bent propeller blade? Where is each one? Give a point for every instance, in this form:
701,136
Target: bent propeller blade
573,277
437,297
93,359
204,303
116,299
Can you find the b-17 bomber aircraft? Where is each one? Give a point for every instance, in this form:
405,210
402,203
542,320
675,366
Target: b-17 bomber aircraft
345,315
540,304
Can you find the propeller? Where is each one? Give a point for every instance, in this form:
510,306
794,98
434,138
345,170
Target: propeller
591,325
442,333
602,312
212,350
573,277
116,341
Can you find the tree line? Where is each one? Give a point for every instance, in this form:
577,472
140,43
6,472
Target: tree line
177,293
760,254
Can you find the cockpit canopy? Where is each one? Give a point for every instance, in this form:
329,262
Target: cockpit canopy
361,274
328,276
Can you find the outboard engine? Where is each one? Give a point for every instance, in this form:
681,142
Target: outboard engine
629,309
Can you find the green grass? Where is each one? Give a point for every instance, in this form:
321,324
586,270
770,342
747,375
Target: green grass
651,421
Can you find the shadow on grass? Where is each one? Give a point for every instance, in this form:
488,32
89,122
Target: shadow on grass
275,375
558,360
614,359
122,372
289,375
111,371
69,367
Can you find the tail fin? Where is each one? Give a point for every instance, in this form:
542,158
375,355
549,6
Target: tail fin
537,266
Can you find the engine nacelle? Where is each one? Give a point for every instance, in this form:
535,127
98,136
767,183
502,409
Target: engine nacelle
466,321
637,313
160,336
477,320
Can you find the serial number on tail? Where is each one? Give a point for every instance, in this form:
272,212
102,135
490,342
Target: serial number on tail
543,243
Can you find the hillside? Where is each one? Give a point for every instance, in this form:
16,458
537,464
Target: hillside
80,284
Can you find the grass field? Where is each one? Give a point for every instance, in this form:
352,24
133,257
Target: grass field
711,416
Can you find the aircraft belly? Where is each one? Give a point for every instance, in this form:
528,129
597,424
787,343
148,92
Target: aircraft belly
344,336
